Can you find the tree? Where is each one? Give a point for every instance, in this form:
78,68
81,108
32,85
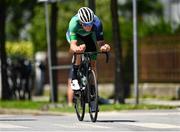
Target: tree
144,7
119,86
20,13
53,36
5,88
92,5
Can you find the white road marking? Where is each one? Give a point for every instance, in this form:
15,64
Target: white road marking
82,125
152,125
4,125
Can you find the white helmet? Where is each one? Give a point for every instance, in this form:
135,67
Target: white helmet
86,15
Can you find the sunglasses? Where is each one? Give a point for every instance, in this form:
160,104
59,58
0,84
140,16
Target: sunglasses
87,24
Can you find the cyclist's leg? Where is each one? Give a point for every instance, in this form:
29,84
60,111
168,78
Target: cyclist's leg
74,78
69,89
72,73
78,61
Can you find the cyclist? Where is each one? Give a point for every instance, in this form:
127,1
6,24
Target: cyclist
85,30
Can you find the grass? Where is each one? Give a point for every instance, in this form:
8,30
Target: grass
22,104
46,106
118,107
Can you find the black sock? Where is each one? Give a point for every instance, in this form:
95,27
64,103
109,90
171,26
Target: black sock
74,71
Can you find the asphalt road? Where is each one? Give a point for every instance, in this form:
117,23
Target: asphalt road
149,120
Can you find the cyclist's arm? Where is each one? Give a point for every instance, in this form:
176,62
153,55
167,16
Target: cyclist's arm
100,43
99,35
103,46
74,48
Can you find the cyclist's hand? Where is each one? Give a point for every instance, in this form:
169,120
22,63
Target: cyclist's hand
105,48
81,48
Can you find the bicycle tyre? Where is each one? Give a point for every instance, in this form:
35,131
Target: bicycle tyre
93,95
79,102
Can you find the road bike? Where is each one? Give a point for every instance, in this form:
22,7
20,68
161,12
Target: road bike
88,92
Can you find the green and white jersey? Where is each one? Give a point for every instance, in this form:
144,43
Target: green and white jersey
75,29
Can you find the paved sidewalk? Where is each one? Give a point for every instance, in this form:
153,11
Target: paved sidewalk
156,102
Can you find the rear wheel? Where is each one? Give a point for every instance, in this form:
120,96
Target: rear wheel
93,96
79,104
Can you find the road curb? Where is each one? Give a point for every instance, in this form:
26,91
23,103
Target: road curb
33,112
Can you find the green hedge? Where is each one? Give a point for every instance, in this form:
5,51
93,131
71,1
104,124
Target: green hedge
22,48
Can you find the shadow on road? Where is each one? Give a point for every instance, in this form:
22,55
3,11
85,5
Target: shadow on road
110,121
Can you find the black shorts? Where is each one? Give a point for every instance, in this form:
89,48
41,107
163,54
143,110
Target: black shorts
70,73
89,42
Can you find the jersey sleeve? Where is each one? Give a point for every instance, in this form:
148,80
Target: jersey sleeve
99,29
72,29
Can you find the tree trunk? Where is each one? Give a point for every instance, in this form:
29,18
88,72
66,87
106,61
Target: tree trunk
92,5
53,36
5,88
119,86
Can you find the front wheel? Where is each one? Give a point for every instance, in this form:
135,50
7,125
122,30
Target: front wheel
79,104
93,96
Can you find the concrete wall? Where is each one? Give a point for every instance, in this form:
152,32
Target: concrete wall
160,90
